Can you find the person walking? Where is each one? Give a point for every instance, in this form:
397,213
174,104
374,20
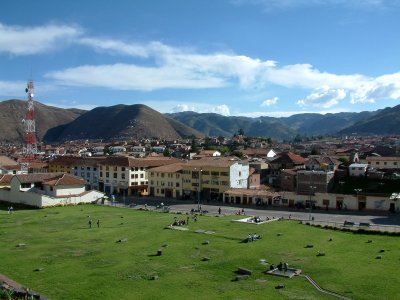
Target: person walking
98,223
219,210
90,223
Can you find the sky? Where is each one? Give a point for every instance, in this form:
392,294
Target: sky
231,57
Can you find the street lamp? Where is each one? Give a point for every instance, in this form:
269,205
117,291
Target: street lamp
312,189
198,194
198,188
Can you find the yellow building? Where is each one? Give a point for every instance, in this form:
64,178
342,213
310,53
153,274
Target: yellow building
381,162
64,164
166,181
208,178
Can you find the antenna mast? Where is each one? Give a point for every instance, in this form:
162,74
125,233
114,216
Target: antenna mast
30,147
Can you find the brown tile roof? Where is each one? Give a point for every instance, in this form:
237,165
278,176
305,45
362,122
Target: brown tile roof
382,158
213,162
4,160
64,179
11,167
36,177
137,162
171,168
5,179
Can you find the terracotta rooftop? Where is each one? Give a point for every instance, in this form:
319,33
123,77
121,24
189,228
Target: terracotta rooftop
213,162
5,179
171,168
4,160
36,177
64,179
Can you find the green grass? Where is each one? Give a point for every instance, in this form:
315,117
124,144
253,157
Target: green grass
82,263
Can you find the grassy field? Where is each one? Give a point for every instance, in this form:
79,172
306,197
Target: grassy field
78,262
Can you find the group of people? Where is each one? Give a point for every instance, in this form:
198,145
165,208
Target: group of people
90,223
240,212
253,237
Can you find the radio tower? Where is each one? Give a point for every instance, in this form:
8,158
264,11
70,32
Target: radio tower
30,147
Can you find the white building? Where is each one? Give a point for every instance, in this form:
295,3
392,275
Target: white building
47,189
357,170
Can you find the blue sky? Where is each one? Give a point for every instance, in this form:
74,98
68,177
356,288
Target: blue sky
233,57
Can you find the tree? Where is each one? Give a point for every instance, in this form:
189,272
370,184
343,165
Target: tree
241,131
194,145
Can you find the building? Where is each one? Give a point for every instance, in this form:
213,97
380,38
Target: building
380,162
166,181
127,175
311,181
208,178
9,166
251,197
48,189
357,170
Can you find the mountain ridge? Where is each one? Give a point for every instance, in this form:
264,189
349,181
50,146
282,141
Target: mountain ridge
123,121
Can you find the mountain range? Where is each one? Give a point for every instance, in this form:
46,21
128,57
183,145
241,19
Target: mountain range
140,121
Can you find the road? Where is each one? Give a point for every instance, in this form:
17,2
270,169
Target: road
382,218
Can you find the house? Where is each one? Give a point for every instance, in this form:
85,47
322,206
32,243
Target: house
9,166
208,178
212,153
311,181
357,170
254,180
166,181
48,189
62,164
251,197
285,160
288,180
127,175
326,163
380,162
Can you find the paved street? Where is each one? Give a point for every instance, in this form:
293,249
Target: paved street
271,212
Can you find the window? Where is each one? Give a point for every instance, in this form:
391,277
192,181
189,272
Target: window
206,172
115,175
141,175
87,175
107,174
88,168
115,168
101,174
214,173
224,174
123,176
122,169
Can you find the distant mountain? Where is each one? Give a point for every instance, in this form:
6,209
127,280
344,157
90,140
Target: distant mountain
384,121
120,121
12,112
215,125
282,128
140,121
318,124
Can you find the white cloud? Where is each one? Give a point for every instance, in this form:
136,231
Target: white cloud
220,109
131,77
12,88
167,67
382,87
270,102
182,107
324,97
33,40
